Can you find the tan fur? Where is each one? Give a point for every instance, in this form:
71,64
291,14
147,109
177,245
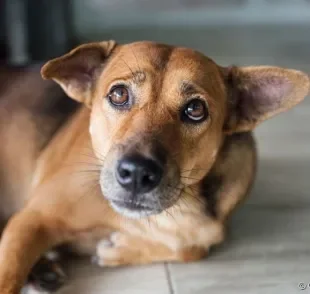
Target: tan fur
64,203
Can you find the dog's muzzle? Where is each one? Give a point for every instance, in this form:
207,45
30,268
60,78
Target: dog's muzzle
138,180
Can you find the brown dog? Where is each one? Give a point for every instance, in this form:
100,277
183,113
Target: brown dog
147,169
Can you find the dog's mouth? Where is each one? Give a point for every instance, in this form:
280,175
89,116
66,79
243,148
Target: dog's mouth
145,205
133,209
133,205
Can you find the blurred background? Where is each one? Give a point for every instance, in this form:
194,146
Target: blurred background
239,31
268,250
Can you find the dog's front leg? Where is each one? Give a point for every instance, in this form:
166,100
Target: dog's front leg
26,237
125,249
179,242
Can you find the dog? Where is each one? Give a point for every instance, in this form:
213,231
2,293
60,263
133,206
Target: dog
145,164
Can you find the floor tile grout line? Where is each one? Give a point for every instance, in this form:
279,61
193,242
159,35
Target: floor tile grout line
169,278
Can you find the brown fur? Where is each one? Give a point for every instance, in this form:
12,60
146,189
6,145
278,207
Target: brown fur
51,187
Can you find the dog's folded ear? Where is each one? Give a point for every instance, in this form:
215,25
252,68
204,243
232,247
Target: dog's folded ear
258,93
76,72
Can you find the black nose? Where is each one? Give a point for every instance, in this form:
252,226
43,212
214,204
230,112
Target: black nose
138,174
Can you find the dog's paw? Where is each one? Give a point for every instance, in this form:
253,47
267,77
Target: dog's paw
46,276
115,250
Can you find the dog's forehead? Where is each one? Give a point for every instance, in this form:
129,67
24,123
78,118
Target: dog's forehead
190,66
147,53
161,55
172,65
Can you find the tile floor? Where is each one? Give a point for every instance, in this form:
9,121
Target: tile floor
268,250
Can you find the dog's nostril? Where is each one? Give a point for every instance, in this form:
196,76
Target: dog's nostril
148,179
138,174
124,173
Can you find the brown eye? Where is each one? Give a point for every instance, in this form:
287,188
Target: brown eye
119,96
195,111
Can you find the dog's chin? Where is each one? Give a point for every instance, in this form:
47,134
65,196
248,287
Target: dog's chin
133,210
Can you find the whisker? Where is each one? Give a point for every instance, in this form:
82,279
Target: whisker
90,156
190,178
198,189
192,188
194,169
170,215
92,151
192,194
155,220
185,201
200,201
90,189
133,75
133,52
84,163
101,157
148,221
83,172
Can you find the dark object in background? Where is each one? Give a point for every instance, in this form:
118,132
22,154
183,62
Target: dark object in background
35,30
3,48
3,53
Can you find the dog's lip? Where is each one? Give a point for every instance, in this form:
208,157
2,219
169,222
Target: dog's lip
132,205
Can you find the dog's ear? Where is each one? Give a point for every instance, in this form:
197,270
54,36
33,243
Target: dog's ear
76,72
258,93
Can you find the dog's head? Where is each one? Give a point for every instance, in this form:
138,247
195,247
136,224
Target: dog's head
159,114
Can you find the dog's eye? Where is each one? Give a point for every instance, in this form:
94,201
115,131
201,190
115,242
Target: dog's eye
119,96
194,111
